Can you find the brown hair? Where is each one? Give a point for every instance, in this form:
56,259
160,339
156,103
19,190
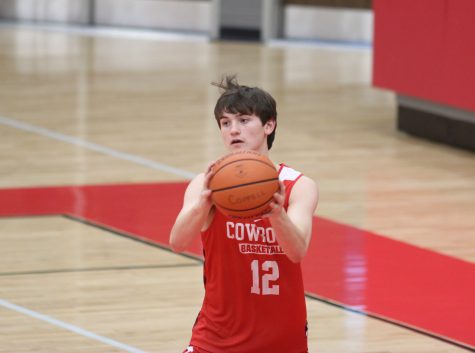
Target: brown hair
237,99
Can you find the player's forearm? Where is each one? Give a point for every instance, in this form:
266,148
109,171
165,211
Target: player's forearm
291,239
187,226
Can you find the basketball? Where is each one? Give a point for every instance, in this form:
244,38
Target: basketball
243,184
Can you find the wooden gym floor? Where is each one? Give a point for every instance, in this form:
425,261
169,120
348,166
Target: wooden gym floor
80,109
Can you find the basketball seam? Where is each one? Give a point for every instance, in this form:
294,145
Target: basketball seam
246,184
247,209
243,159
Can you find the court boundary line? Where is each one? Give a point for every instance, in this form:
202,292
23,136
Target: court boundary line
91,146
69,327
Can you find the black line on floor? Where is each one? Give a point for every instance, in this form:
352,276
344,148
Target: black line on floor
130,236
93,269
43,215
389,321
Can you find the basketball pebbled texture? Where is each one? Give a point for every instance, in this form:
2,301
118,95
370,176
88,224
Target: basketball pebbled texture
243,184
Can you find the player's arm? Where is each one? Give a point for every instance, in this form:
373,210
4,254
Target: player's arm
195,213
293,228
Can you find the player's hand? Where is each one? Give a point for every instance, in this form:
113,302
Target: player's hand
206,191
277,203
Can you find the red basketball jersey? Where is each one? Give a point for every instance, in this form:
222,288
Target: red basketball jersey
254,300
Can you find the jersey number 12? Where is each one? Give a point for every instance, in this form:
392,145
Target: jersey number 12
265,275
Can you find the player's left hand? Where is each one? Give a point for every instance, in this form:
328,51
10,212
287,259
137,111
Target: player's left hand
277,204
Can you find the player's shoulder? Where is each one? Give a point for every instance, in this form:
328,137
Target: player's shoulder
306,182
307,188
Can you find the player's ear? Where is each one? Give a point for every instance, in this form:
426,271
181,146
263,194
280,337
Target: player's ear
269,126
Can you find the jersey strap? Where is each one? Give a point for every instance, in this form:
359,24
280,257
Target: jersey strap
289,177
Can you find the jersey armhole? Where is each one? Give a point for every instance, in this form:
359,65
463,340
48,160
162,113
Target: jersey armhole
210,220
289,183
289,191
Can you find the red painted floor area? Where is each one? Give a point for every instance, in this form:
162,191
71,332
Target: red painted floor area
360,270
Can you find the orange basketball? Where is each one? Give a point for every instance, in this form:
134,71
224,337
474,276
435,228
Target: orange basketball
243,184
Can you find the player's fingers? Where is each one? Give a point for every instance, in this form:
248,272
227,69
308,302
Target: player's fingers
281,187
279,198
209,168
272,207
208,174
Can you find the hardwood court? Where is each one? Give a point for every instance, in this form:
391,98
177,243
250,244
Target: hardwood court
81,110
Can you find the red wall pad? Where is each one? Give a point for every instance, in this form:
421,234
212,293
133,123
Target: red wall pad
426,49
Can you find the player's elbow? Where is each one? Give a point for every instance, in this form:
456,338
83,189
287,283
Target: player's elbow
297,256
175,244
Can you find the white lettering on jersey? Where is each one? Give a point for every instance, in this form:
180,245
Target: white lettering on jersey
270,236
248,248
229,231
239,231
268,276
261,240
254,232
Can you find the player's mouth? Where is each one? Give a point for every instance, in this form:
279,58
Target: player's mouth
236,142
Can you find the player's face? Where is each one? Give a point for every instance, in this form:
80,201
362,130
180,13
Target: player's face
245,132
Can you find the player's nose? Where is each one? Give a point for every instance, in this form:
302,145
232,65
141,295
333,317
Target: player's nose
235,130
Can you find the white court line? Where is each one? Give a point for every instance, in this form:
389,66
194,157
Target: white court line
95,147
69,327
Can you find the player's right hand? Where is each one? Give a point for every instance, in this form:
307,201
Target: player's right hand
206,191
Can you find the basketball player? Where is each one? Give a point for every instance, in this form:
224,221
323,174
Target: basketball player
254,297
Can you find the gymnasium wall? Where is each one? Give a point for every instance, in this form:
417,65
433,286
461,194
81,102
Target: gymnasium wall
331,20
173,15
349,4
330,23
62,11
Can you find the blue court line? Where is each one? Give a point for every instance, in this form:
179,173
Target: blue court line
69,327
